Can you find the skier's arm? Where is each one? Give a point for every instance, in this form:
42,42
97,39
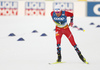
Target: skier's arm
71,22
68,14
52,13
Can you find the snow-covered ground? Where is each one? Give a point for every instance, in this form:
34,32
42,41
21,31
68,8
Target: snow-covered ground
36,52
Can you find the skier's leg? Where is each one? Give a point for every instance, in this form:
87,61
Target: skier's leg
80,55
58,39
59,53
70,37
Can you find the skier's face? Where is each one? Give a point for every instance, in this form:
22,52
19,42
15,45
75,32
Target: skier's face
58,14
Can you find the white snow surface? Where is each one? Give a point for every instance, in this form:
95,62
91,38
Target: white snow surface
36,52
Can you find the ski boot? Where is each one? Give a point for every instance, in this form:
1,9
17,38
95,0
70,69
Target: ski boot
82,58
59,58
80,55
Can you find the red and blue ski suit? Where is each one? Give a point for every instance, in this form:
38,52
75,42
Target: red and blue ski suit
62,26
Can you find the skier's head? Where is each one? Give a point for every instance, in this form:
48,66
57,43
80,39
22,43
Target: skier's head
57,9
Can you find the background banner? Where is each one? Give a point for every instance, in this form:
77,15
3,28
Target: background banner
34,8
93,8
8,8
68,6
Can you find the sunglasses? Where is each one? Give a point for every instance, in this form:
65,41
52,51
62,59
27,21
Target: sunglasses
57,12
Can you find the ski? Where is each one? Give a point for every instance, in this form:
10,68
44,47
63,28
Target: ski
86,62
65,62
82,58
57,63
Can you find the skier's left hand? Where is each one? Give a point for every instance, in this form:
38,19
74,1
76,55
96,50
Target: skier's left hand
71,24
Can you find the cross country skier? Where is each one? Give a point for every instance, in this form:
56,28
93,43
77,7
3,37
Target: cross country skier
62,27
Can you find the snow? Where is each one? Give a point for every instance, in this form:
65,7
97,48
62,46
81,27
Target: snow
36,52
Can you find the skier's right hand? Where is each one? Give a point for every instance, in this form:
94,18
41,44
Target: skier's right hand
71,24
